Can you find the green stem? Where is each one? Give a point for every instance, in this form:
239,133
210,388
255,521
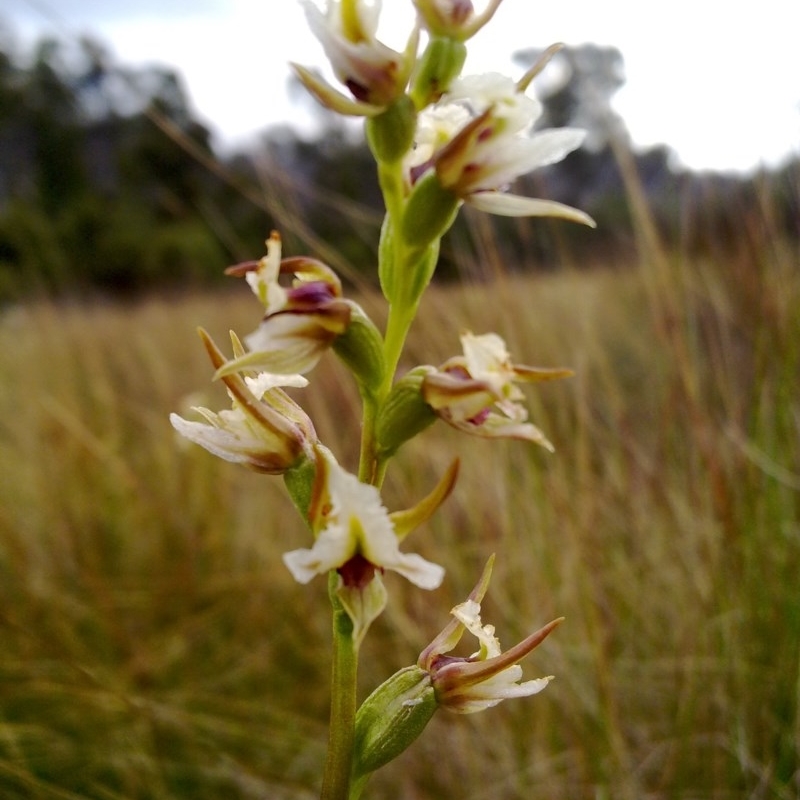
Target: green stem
339,763
401,315
358,786
368,459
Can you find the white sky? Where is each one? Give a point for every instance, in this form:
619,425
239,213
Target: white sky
718,82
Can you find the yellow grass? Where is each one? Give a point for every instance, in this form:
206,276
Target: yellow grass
152,645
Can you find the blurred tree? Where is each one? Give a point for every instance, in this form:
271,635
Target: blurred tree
577,89
113,164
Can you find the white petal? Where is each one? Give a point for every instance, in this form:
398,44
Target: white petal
512,205
333,548
225,444
416,569
547,147
264,381
486,355
468,614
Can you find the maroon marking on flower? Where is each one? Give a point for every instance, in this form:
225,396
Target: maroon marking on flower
358,91
415,173
357,572
480,417
311,293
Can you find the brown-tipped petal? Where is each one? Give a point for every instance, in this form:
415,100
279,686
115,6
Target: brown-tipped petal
495,426
536,374
450,161
241,269
253,407
329,97
307,268
465,397
468,673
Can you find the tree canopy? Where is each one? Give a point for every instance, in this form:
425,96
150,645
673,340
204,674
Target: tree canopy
108,182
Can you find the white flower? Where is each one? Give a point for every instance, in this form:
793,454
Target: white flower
355,535
302,320
264,430
436,126
477,392
374,73
492,147
488,676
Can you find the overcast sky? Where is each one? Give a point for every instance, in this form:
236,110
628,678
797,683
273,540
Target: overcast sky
718,82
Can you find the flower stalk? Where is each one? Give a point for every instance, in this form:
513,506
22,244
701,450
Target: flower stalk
344,674
439,140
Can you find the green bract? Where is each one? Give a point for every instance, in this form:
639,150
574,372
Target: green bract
391,718
360,347
299,482
430,212
405,413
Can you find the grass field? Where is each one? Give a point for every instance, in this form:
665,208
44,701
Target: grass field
152,645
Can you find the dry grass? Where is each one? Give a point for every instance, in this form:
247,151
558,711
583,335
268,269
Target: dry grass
153,646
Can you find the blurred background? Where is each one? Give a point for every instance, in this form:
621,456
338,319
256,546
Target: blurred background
151,643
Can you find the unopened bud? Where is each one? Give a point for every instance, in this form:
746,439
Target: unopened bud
440,65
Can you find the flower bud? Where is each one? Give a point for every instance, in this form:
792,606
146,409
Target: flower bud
439,66
456,19
391,718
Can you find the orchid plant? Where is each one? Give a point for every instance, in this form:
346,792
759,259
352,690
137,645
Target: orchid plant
439,140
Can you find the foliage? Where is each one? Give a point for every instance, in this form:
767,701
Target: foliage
103,182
